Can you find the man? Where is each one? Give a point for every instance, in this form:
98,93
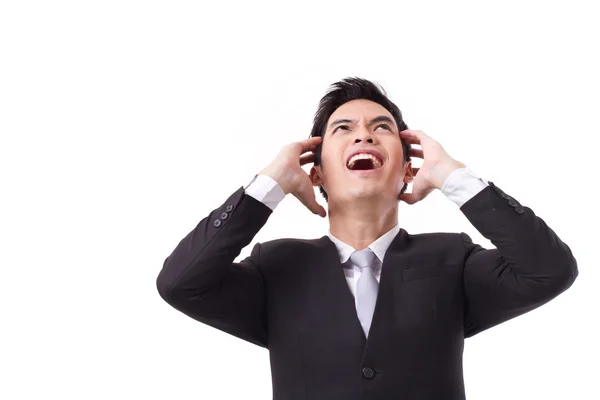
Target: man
368,311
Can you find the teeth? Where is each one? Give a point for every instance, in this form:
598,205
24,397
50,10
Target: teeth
362,156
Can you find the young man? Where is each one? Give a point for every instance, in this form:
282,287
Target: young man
368,311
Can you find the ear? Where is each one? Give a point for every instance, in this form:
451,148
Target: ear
409,176
315,176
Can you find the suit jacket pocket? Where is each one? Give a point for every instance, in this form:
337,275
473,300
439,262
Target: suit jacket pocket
432,271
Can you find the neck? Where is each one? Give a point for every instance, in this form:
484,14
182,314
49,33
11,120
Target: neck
361,223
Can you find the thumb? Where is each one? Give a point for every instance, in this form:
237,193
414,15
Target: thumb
306,195
409,198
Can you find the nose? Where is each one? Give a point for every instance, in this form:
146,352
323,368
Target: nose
363,134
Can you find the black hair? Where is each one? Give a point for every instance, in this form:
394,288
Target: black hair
341,92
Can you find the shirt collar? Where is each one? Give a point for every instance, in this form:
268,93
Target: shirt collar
379,246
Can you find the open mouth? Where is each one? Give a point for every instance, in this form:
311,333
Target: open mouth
363,162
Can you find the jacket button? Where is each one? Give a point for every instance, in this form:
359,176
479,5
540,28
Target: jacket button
505,196
368,372
519,210
513,203
224,215
229,208
217,223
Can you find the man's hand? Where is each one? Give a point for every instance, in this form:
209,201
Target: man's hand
287,172
437,165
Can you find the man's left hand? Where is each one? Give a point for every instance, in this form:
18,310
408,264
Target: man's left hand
437,165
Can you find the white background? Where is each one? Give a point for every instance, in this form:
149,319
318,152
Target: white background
124,123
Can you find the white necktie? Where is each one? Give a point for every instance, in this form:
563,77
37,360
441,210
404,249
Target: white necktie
366,287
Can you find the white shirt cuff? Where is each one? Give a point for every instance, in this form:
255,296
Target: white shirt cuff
462,185
265,189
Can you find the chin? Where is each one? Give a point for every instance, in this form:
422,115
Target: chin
365,192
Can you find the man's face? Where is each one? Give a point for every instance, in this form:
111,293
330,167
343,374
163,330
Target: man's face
361,126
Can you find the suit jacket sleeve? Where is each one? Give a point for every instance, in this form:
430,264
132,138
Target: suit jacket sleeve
529,267
200,279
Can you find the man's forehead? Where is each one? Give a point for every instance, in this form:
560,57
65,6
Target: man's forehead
358,110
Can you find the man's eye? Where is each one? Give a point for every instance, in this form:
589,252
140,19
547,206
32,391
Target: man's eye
385,125
346,127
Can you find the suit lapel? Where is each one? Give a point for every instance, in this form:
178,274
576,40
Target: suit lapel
344,319
383,323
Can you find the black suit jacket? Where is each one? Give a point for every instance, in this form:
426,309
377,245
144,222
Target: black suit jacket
436,289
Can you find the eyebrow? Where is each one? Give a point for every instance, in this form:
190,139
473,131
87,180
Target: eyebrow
381,118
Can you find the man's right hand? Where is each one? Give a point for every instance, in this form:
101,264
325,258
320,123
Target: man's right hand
287,172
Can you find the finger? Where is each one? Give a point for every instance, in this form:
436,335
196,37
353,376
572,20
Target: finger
310,144
314,207
416,153
409,198
409,133
306,195
307,158
411,140
413,136
413,132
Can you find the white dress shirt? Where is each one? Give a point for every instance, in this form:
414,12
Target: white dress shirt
460,186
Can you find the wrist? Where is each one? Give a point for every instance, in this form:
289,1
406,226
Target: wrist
276,176
446,171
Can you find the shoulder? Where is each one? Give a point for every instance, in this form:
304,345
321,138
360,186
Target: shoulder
436,237
287,246
285,254
447,247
